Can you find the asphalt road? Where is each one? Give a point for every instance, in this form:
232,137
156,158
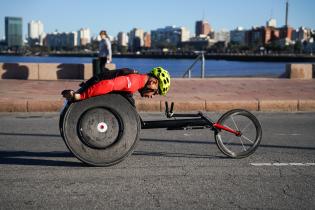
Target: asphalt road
168,169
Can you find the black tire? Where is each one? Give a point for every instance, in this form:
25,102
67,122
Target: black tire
62,116
102,130
251,134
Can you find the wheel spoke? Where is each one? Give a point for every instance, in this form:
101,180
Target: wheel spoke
247,139
246,127
242,143
234,123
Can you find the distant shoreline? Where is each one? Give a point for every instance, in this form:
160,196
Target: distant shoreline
228,57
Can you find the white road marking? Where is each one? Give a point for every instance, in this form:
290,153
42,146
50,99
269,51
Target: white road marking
282,164
288,134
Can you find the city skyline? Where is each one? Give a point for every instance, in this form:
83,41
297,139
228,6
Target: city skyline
71,15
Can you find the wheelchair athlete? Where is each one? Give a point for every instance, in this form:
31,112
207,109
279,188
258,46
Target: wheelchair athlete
126,81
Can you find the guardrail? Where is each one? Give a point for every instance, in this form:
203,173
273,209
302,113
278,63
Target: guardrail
200,57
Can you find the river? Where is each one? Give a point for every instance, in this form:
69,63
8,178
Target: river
176,67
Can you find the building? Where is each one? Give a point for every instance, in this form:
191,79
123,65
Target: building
201,42
147,40
254,37
286,32
202,27
185,34
61,41
238,35
35,32
222,36
136,41
301,34
270,34
169,37
84,37
42,38
13,32
272,23
122,39
35,29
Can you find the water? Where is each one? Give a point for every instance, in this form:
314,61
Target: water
176,67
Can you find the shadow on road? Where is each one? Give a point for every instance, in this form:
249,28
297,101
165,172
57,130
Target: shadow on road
211,143
31,158
163,141
38,158
29,134
181,155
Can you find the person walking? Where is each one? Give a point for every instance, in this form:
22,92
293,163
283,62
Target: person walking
105,50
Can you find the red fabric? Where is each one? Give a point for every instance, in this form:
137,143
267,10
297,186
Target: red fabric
129,83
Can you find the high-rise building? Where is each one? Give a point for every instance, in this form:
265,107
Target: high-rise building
122,39
84,36
35,29
35,32
170,36
13,31
202,28
136,39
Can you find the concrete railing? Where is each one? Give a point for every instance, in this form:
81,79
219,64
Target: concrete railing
55,71
47,71
300,71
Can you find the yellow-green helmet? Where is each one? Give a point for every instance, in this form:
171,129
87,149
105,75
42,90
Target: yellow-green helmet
164,79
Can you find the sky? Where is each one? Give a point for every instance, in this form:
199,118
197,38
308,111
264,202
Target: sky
115,16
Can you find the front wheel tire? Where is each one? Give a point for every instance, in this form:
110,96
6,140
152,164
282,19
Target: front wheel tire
245,144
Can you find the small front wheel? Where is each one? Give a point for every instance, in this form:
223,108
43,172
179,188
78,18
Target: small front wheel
247,139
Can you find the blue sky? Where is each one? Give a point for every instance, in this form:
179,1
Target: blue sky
115,16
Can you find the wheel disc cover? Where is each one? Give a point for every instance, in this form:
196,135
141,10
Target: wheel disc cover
98,128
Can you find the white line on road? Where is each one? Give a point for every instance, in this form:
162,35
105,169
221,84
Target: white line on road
288,134
282,164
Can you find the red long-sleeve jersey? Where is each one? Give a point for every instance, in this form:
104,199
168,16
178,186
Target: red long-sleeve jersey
129,83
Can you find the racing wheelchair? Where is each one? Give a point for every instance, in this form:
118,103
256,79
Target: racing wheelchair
103,130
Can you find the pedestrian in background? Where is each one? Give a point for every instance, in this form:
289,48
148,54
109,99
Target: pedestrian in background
105,50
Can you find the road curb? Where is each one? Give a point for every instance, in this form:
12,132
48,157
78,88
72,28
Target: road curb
44,105
265,105
13,105
251,105
277,105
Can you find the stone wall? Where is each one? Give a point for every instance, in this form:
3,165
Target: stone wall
47,71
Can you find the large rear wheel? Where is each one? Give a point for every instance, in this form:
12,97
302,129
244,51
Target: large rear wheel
101,131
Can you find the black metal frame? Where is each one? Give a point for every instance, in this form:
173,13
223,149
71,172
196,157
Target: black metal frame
193,121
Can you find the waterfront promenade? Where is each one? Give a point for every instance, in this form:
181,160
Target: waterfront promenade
212,94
